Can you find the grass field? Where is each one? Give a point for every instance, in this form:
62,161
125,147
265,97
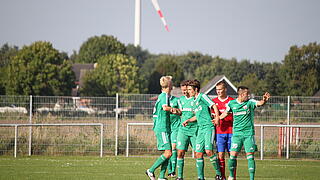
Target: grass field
133,168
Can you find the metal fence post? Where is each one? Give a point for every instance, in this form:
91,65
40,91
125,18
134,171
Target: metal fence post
288,130
15,140
288,111
127,152
101,140
30,122
288,142
117,124
261,141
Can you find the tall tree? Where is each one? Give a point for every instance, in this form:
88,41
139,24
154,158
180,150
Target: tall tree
206,72
141,55
39,69
273,79
255,85
98,46
165,66
115,73
6,53
191,61
301,70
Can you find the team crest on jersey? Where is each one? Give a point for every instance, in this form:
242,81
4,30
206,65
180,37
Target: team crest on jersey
245,107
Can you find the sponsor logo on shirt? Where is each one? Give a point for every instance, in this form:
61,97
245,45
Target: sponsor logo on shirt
245,107
240,113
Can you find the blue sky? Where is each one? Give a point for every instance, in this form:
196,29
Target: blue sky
261,30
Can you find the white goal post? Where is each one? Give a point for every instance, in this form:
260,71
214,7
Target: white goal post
70,124
128,134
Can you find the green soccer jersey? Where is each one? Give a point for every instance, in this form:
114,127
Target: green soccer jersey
187,113
174,119
201,106
161,118
243,115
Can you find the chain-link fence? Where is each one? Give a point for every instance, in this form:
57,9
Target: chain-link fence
117,112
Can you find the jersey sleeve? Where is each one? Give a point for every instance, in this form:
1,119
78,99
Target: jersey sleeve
253,103
228,108
207,100
174,103
179,104
164,100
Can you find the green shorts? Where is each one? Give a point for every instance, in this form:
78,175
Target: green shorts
205,139
163,141
173,136
183,141
249,143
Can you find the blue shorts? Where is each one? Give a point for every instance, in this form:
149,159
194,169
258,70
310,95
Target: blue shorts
223,142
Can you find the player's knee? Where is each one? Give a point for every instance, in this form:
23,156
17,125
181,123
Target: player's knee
221,155
199,155
180,154
209,153
167,154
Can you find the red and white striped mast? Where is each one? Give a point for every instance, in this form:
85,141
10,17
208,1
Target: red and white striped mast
137,24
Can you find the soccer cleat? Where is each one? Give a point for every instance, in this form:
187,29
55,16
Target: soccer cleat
230,178
162,179
218,177
172,174
150,175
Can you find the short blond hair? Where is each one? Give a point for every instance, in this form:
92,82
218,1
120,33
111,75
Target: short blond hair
165,81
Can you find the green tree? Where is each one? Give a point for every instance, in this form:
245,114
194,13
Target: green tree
39,69
138,53
255,85
301,70
273,79
165,66
98,46
206,72
6,53
115,73
145,72
191,61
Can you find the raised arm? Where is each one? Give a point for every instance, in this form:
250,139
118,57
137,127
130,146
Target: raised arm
265,98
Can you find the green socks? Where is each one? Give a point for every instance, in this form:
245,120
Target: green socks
232,164
159,161
214,161
200,168
172,162
180,165
251,166
164,167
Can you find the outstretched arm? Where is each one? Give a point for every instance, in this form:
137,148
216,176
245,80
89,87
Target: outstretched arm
265,98
224,114
166,108
176,111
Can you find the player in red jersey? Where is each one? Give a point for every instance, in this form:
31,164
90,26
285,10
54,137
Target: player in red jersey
224,130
